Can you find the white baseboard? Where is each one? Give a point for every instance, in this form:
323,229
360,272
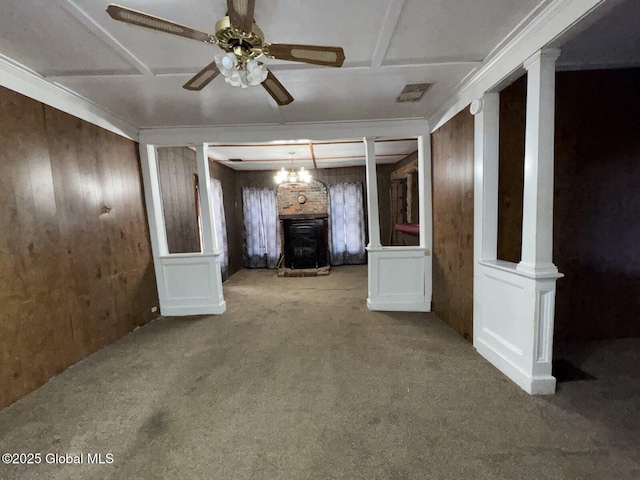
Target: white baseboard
398,306
195,310
532,385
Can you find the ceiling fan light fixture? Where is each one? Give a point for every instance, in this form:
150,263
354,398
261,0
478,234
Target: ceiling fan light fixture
229,61
241,38
240,73
256,72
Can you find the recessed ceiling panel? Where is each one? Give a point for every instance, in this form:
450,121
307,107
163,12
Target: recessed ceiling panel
46,38
161,52
161,101
352,25
357,94
461,30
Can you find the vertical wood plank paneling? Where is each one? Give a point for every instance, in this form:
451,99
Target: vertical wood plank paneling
177,165
59,248
513,101
452,151
597,204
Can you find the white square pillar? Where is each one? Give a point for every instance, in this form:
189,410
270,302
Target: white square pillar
372,192
537,214
209,239
153,199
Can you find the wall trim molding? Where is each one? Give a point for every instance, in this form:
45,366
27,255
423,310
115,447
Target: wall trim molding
534,385
398,306
212,309
25,81
555,19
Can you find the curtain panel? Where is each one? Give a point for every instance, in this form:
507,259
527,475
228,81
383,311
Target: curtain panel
346,219
221,226
262,235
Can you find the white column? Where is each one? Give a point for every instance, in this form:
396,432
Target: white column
486,161
209,239
537,215
153,200
485,202
424,191
372,193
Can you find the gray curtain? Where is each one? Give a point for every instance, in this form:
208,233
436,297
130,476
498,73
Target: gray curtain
221,225
262,235
346,218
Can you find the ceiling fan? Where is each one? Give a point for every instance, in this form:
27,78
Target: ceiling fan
243,41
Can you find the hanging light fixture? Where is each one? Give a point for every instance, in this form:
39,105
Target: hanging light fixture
285,176
240,71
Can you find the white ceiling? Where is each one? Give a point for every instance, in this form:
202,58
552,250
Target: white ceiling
137,73
611,41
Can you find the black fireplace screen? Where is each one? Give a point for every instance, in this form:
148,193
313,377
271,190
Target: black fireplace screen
305,243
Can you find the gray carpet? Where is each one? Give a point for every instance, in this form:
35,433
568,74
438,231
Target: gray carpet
299,381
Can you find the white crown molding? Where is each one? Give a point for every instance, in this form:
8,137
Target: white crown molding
268,133
555,19
25,81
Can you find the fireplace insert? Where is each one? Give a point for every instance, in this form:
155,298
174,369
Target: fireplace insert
305,243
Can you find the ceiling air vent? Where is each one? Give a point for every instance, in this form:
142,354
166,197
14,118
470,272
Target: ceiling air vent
235,159
413,92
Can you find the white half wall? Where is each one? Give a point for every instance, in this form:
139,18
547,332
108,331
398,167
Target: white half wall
399,279
513,328
188,284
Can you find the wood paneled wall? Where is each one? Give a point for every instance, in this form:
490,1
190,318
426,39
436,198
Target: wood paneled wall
452,152
76,271
596,202
511,177
177,169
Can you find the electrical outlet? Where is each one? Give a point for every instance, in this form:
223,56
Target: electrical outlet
154,309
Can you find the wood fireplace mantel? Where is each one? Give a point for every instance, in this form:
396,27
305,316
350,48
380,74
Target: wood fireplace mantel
303,216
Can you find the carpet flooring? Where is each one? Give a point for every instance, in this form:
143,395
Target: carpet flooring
298,380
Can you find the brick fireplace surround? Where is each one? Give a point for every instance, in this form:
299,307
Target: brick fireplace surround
304,202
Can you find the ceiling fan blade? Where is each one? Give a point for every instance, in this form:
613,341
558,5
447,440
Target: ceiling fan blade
127,15
272,85
316,54
241,14
202,78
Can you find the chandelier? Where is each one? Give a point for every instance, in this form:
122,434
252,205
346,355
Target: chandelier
240,72
285,176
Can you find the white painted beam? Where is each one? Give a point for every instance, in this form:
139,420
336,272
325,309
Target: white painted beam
100,32
388,27
401,128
